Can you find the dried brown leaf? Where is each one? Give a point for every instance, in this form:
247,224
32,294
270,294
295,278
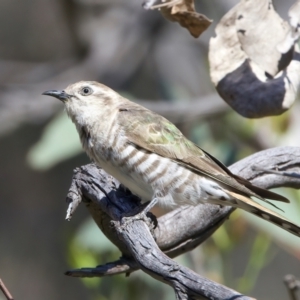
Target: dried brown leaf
183,12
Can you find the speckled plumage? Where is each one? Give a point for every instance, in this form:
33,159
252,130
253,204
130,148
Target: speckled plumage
150,156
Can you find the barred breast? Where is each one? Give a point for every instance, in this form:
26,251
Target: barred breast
149,175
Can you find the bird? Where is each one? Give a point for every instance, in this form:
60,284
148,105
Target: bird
151,157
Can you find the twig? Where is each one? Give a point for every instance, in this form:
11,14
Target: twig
293,175
292,285
149,3
5,291
123,265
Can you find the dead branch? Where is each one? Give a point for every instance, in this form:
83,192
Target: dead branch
292,284
5,291
177,232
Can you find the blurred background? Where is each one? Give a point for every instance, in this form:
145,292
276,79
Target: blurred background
48,44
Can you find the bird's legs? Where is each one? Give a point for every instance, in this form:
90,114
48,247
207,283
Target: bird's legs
149,205
142,214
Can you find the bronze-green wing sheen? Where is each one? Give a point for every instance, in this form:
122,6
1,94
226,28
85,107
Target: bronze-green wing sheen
153,133
150,156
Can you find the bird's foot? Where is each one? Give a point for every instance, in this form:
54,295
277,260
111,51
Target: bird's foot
143,214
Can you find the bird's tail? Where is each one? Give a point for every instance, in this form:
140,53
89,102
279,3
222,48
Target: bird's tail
247,204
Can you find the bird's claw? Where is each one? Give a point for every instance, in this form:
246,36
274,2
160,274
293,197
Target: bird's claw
143,215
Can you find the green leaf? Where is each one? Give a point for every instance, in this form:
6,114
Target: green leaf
59,142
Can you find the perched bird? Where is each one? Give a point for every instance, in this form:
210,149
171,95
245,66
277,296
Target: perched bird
151,157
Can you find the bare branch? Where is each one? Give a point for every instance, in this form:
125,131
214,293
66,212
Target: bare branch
186,283
5,291
282,159
292,285
123,265
149,3
188,110
293,175
108,203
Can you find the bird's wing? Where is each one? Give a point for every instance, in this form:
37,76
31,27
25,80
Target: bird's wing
152,132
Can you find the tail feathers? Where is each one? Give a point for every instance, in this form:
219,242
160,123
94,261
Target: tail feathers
268,194
255,208
260,191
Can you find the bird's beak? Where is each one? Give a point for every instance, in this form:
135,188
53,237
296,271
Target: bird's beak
60,95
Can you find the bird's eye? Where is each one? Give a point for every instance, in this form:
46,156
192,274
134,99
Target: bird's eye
85,91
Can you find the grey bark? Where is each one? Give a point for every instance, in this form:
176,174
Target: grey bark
177,232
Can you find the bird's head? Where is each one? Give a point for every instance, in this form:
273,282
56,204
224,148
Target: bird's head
86,99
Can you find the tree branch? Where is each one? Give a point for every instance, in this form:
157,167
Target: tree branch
292,285
177,232
5,291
